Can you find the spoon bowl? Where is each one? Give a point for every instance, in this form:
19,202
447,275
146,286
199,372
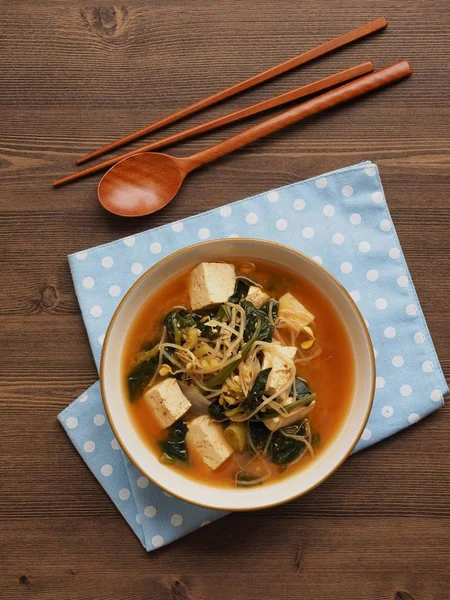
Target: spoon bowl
141,184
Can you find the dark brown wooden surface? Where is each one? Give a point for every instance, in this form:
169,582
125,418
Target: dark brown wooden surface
73,78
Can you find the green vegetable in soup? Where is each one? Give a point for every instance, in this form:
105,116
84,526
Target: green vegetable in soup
143,371
217,411
256,394
259,434
284,450
174,448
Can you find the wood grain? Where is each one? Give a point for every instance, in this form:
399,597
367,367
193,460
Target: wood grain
76,77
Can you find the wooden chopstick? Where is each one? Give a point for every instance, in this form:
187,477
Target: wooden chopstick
301,92
301,59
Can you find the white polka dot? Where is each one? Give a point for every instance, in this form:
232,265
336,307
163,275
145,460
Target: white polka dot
107,262
346,267
394,253
88,283
381,303
71,422
377,197
177,226
81,255
317,259
402,281
142,482
101,339
281,224
96,311
387,411
308,233
115,290
406,390
380,382
427,366
299,204
138,519
390,332
370,171
225,211
155,248
137,268
364,247
157,541
338,239
385,225
347,191
375,352
413,418
251,218
273,196
355,219
321,183
366,434
204,523
233,235
129,241
398,361
329,210
124,494
89,446
106,470
99,420
367,323
115,444
411,310
83,398
436,395
176,520
150,511
419,337
356,296
372,275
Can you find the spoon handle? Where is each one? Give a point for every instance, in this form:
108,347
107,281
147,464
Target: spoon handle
346,92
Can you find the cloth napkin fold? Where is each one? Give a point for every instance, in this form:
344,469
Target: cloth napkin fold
340,219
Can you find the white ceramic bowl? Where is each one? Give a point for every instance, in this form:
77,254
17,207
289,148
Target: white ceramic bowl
193,491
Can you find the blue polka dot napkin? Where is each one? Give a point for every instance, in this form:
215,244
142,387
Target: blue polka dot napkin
340,219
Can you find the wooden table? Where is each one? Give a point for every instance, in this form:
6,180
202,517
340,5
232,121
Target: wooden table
74,78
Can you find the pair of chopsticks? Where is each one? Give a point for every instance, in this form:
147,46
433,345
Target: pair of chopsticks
301,92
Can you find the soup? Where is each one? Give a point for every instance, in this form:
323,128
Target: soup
238,374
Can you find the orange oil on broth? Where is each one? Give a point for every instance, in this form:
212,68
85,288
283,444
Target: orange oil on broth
331,375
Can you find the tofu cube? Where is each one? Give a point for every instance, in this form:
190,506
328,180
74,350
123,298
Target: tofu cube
290,308
257,296
167,402
206,438
280,373
211,284
292,418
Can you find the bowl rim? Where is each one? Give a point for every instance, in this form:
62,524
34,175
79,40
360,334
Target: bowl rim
365,332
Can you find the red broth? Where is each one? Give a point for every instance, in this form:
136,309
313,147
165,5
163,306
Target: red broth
330,375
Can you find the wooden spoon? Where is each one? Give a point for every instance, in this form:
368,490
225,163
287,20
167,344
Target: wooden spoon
144,183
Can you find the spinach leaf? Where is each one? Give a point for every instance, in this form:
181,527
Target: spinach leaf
259,434
275,305
302,390
174,448
284,450
257,323
180,319
217,411
255,395
241,288
141,374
